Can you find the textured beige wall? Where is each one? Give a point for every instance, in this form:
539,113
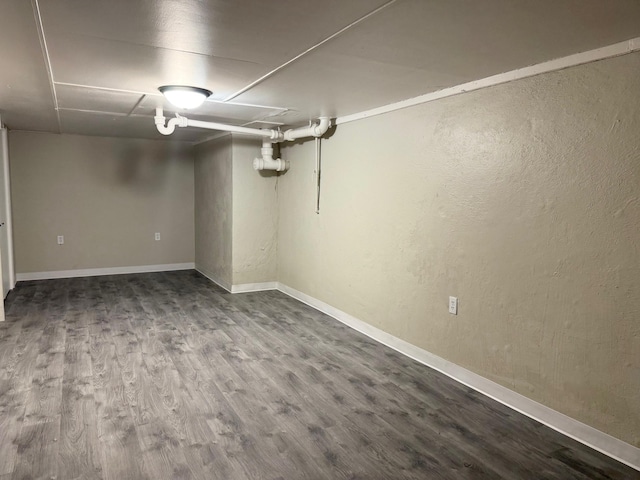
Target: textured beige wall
107,196
255,216
522,200
213,207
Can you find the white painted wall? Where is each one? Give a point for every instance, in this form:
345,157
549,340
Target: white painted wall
522,200
213,210
255,216
236,213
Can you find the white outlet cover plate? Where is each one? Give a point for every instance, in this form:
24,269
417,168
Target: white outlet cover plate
453,305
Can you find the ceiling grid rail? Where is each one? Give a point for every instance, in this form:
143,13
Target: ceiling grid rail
47,59
308,50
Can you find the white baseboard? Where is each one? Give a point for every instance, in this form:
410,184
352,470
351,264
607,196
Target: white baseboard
254,287
600,441
240,288
94,272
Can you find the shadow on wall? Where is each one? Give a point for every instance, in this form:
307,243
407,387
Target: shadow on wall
142,165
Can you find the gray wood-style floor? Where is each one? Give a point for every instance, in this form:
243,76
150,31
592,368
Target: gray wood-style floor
165,375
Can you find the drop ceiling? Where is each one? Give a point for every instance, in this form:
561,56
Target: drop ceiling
93,67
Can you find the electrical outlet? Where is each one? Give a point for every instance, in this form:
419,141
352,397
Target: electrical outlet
453,305
157,236
60,239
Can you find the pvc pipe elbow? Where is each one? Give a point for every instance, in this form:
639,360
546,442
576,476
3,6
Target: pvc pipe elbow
312,131
159,120
168,130
322,127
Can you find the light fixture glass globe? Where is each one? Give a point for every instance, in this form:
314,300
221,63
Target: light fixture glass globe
183,96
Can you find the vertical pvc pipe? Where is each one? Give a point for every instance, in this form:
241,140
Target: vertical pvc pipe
318,171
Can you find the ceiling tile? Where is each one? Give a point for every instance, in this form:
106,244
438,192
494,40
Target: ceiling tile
83,98
415,47
264,33
26,101
115,64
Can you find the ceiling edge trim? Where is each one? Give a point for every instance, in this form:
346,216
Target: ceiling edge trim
581,58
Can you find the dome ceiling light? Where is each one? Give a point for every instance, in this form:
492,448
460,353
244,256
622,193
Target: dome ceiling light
183,96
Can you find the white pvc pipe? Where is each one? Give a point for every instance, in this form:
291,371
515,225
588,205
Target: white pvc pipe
276,164
181,121
274,135
318,173
312,131
267,162
171,124
271,134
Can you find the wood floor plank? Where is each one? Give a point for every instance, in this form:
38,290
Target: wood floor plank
22,364
165,463
45,395
79,454
210,462
166,375
12,405
119,447
77,359
118,442
163,385
37,454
